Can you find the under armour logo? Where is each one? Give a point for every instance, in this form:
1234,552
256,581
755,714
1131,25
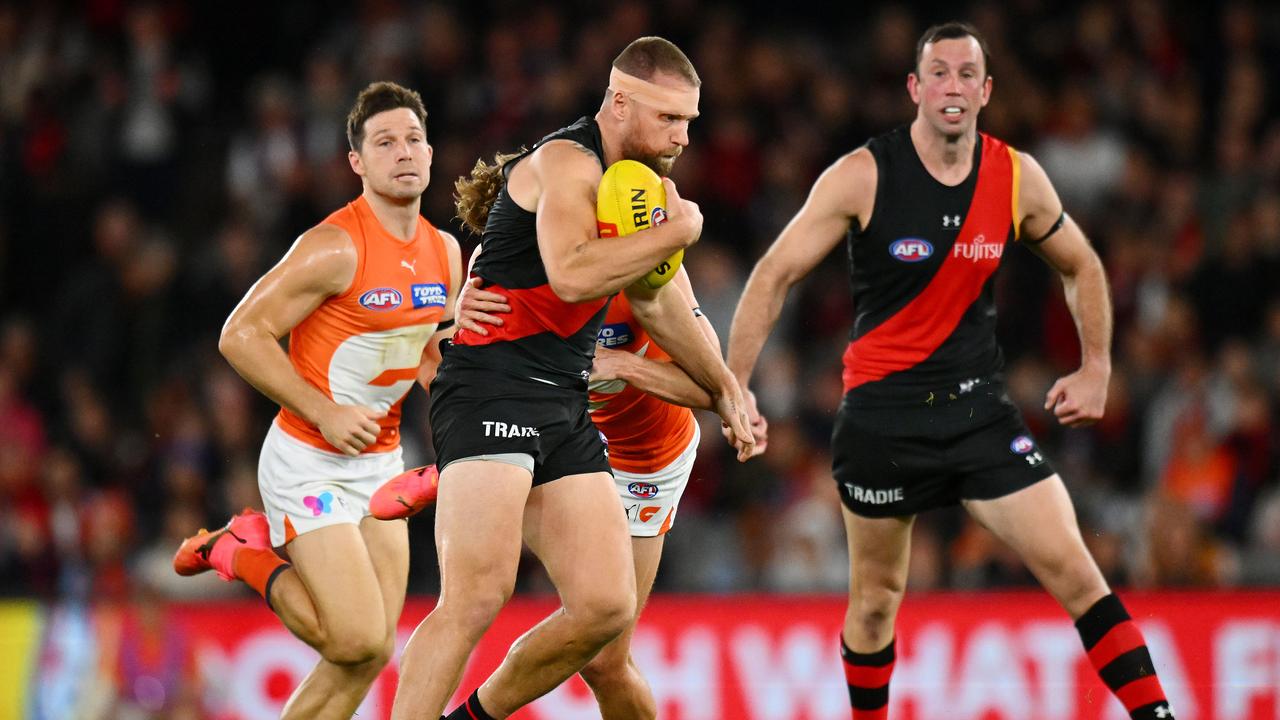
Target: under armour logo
1164,712
950,221
405,264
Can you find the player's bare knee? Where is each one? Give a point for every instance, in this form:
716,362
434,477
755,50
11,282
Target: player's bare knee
873,606
473,611
353,648
357,644
603,615
876,596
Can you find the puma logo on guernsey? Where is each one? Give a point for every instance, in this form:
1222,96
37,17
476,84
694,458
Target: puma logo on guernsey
493,428
874,497
978,249
406,264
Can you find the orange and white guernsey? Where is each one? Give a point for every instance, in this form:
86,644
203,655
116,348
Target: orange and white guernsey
645,434
364,346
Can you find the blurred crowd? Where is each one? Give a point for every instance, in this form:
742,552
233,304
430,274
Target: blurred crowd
156,158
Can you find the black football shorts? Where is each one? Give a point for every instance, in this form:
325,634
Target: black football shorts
881,473
478,412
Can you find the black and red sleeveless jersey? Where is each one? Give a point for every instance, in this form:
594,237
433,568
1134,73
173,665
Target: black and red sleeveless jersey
543,338
922,272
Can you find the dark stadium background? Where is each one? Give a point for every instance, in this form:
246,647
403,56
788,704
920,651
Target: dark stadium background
156,158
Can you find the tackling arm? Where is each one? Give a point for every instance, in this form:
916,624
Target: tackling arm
665,313
665,380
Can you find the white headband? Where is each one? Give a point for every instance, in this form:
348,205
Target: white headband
666,99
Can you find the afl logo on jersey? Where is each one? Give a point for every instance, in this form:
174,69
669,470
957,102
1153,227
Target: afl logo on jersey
382,299
1021,445
911,249
643,489
658,216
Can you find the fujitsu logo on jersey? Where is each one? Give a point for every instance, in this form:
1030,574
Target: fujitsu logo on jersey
978,249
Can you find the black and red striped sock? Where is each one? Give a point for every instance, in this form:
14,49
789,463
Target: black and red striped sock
470,710
1119,653
868,677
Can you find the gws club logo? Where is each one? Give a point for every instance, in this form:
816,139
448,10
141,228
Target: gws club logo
911,249
382,299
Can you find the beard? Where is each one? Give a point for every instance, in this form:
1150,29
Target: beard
660,163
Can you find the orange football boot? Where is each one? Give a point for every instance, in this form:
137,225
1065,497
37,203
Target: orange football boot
406,494
216,550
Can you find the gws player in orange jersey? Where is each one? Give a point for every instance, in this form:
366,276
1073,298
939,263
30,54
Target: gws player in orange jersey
520,459
365,296
928,211
640,401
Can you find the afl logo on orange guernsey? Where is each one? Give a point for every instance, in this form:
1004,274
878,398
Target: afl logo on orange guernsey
382,299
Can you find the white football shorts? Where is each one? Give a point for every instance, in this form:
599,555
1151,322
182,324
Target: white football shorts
650,499
304,488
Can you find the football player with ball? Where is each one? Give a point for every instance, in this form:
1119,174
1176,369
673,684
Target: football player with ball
519,458
640,400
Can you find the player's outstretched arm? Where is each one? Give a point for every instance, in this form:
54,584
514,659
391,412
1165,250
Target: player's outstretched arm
844,192
322,263
431,352
1079,398
580,265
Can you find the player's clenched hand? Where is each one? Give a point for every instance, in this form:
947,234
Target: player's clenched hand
757,422
1080,398
608,364
684,213
476,305
350,428
733,413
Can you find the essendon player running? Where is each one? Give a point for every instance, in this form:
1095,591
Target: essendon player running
929,211
365,297
640,400
517,452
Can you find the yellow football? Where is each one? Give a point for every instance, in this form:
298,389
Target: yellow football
631,198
